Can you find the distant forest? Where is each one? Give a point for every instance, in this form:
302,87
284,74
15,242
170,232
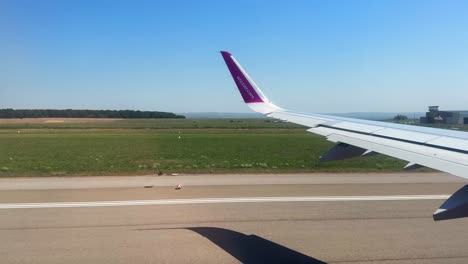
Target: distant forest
70,113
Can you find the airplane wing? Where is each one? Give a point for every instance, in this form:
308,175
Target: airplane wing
440,149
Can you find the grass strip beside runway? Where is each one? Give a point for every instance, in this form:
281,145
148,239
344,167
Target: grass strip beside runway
169,146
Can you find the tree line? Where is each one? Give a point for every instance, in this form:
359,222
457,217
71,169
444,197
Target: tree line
71,113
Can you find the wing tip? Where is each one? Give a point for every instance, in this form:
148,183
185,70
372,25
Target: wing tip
225,53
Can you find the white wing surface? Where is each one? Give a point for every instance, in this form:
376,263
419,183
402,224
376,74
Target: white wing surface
440,149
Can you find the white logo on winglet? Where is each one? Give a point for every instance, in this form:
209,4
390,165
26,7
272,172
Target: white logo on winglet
246,89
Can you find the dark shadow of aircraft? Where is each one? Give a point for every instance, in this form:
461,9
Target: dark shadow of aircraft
250,248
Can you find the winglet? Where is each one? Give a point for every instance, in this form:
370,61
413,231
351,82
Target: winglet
247,87
250,92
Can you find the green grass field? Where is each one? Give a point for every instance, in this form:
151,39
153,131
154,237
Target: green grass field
131,147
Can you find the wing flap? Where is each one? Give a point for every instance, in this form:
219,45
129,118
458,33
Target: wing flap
323,131
362,128
453,143
406,135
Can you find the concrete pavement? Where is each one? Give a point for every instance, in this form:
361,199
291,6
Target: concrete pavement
360,231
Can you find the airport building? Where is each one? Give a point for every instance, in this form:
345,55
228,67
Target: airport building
434,115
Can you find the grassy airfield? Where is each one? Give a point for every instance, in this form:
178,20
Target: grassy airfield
60,147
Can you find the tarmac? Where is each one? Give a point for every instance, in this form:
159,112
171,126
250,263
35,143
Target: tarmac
238,218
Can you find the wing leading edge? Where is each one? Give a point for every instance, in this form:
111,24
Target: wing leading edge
439,149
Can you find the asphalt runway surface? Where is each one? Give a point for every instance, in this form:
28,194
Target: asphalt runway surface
293,218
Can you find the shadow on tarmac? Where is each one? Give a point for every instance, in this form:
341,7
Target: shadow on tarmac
250,248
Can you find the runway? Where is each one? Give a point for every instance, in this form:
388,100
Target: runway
349,218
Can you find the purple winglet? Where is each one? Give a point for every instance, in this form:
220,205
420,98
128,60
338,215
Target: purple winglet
246,89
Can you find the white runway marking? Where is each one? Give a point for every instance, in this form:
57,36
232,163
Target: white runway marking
222,200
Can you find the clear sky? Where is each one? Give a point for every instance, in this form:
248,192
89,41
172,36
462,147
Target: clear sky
310,56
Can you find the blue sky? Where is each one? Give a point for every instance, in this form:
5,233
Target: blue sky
310,56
